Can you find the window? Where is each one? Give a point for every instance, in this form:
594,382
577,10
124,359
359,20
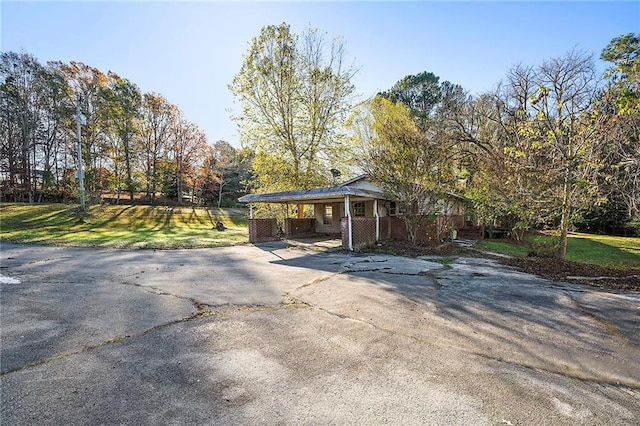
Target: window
358,209
327,219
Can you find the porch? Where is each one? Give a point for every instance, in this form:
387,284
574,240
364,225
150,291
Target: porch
357,212
351,211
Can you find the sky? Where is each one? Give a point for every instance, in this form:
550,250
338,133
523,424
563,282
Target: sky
190,51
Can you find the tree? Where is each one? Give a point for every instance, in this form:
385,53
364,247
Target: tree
414,168
621,104
121,115
566,125
125,139
227,168
505,166
294,92
624,53
158,115
186,150
56,112
420,93
21,77
540,127
90,84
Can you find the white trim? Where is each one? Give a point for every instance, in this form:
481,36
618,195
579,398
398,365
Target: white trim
347,210
375,213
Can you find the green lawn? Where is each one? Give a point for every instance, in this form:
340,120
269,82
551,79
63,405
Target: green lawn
122,226
603,250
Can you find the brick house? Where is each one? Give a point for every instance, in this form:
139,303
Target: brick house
356,211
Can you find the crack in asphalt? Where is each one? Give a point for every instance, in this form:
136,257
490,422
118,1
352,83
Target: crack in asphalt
198,314
203,310
421,340
606,325
317,281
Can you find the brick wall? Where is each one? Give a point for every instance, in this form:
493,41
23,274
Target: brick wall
384,228
299,227
261,230
428,230
398,230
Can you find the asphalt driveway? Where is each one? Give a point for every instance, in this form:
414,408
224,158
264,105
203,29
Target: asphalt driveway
277,335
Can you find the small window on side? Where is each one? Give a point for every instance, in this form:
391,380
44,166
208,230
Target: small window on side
327,219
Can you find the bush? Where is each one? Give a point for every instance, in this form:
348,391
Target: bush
633,227
544,246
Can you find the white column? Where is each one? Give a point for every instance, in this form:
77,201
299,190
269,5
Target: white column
375,213
250,211
347,209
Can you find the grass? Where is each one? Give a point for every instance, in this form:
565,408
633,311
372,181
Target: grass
121,226
602,250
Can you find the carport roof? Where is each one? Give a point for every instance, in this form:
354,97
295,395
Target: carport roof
335,193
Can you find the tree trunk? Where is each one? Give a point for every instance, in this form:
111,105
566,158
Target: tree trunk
127,165
411,225
154,175
221,186
566,217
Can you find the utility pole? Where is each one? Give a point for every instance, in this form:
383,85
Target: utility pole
80,171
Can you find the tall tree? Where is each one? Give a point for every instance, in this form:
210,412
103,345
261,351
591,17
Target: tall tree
158,115
540,125
420,93
566,126
414,168
89,83
56,112
21,77
228,168
621,102
186,150
121,116
294,92
624,53
128,142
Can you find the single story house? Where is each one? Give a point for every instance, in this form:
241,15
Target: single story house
356,210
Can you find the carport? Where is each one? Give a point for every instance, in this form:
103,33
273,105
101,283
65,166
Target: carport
352,209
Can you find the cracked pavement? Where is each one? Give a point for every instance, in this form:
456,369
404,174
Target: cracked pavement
277,335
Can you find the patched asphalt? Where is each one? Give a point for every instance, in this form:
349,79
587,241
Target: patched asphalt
279,335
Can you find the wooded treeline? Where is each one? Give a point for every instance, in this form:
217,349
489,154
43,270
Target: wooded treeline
554,145
134,145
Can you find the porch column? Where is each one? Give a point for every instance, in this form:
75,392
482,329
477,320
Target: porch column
250,211
377,216
347,209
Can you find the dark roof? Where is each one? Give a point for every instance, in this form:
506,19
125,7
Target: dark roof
310,195
331,194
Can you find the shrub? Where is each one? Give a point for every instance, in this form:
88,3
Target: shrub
544,246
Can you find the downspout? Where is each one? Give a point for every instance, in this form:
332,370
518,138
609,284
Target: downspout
375,213
347,209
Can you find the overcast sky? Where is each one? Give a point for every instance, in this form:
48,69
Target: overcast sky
190,51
